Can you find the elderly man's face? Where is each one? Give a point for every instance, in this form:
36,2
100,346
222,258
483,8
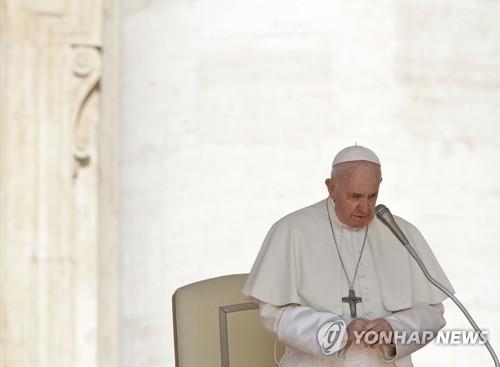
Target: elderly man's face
355,191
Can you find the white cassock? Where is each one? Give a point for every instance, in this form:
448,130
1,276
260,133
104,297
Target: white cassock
299,280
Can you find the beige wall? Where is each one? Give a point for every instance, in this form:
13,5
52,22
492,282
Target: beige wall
233,110
58,186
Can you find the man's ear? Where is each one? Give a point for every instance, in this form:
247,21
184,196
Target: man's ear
330,185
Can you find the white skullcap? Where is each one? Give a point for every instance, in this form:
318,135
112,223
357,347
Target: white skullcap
355,153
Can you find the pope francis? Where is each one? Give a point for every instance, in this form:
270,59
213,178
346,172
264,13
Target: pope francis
335,285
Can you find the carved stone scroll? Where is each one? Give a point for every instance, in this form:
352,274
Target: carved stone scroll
52,273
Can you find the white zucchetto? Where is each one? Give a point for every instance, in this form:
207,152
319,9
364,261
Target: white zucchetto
355,153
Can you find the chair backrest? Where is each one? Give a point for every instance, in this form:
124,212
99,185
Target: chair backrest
215,326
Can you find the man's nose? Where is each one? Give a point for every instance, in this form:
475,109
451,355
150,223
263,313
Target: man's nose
363,205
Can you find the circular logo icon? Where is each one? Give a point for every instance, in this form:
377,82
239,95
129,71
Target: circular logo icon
330,336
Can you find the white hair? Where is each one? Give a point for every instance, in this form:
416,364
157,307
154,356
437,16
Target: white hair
345,168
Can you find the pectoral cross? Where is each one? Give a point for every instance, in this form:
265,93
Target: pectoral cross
352,300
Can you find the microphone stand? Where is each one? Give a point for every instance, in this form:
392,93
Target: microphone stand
381,212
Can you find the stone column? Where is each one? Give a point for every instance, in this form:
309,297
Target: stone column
58,169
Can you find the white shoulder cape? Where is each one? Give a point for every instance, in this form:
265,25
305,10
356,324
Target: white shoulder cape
298,264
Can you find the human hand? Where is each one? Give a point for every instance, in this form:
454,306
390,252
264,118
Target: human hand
378,332
357,326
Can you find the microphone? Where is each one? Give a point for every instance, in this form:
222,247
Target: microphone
385,216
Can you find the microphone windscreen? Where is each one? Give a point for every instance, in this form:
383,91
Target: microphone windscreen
384,214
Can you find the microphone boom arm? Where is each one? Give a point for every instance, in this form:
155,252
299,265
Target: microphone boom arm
386,217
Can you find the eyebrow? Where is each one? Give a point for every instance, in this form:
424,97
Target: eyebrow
359,194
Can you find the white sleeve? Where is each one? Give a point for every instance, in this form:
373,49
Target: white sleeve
424,321
305,329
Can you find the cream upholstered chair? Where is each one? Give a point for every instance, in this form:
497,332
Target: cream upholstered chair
215,326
